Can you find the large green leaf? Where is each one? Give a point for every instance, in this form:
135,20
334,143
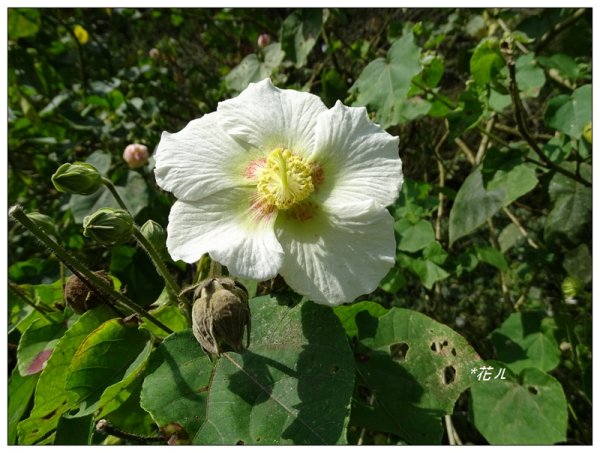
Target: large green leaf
412,370
23,22
20,391
527,409
521,343
384,83
299,33
486,190
109,354
176,387
51,397
572,211
414,236
571,115
293,386
347,314
530,77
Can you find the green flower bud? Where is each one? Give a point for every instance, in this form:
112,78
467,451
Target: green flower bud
156,235
108,226
44,223
80,297
571,287
587,132
221,315
79,178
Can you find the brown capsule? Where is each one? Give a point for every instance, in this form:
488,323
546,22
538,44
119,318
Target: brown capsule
80,297
220,315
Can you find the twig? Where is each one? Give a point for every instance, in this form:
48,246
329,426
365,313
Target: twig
466,150
513,131
557,28
522,124
485,140
522,230
103,426
87,276
25,298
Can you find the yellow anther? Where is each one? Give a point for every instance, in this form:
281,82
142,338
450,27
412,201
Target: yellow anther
286,179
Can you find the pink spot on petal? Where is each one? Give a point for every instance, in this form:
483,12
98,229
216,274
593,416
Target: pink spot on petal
254,168
39,362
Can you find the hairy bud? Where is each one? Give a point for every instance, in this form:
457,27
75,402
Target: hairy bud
264,40
80,297
135,155
220,315
78,178
108,226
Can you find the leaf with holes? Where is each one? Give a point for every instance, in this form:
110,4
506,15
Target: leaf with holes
529,409
410,370
293,386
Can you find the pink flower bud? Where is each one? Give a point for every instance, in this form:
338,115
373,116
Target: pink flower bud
154,53
136,155
264,40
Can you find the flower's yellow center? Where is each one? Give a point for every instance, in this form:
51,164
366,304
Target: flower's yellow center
286,179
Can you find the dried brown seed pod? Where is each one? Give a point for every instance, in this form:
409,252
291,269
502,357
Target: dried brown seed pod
80,297
220,315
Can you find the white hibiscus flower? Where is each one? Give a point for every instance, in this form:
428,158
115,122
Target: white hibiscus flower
274,182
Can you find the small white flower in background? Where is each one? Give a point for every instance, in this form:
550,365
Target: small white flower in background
135,155
274,182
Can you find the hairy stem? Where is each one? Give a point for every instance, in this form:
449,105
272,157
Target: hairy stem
80,270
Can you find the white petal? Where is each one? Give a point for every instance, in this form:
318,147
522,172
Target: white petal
199,160
224,226
359,159
335,258
267,117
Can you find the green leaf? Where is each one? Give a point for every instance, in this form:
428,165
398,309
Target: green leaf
393,281
415,369
521,343
487,61
134,194
501,180
170,316
473,206
74,430
563,64
176,387
578,263
108,355
100,160
23,22
51,397
38,342
428,272
530,77
414,237
293,386
530,409
467,113
572,210
252,69
493,257
299,33
347,314
384,83
571,115
20,391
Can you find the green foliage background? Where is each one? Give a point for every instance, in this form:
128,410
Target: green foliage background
493,111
